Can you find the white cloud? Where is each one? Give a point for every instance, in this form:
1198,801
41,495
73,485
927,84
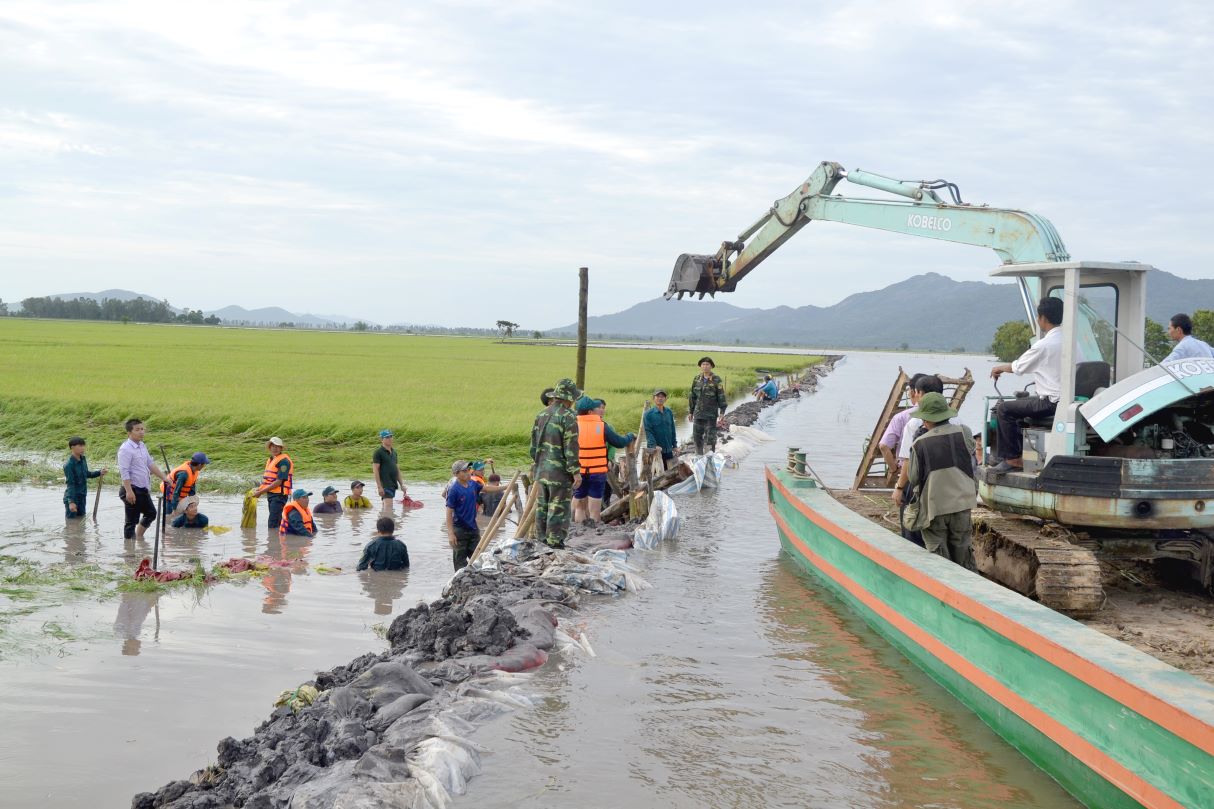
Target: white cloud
399,146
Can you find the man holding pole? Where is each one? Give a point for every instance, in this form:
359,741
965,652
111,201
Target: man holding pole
554,449
135,465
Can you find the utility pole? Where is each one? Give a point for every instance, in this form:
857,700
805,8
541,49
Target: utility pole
583,291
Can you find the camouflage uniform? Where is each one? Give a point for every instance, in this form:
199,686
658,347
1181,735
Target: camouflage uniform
554,449
705,402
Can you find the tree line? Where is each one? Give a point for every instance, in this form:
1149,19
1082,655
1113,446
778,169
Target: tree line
1012,338
139,310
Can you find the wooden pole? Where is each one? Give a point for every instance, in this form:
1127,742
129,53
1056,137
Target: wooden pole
528,519
499,517
583,292
634,483
96,498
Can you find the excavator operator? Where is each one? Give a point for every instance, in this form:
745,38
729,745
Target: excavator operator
1044,361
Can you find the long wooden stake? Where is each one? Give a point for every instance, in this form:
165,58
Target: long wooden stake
583,292
97,498
634,482
499,517
503,507
527,522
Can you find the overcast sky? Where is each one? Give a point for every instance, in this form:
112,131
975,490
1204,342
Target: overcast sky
454,163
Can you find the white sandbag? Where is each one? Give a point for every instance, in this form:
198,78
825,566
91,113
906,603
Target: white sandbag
661,524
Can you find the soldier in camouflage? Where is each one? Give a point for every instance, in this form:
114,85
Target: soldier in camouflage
554,449
705,404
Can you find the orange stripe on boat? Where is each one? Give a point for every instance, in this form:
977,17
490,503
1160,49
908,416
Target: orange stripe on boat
1095,759
1164,714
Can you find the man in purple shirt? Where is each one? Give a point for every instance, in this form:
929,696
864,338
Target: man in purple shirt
135,466
893,433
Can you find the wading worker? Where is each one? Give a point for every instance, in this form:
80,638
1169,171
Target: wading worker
659,428
385,468
276,481
705,405
942,470
297,517
1044,361
183,491
134,465
76,473
595,436
554,451
463,534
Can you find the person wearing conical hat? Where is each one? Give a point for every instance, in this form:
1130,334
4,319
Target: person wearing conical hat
942,469
554,451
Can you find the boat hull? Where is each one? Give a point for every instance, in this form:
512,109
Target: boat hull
1115,727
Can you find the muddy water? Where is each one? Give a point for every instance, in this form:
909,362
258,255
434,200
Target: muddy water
733,682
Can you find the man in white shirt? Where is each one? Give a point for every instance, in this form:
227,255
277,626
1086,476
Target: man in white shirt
1044,361
1180,329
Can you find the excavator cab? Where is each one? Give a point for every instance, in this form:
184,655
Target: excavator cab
1128,457
1103,314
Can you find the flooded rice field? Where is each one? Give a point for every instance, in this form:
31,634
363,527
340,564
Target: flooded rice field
733,682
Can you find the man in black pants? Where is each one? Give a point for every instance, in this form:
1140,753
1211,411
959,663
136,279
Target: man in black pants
134,465
1044,361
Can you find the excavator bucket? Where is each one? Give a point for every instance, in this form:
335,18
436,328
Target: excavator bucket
692,274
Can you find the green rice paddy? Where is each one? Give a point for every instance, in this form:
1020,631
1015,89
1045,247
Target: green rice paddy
327,394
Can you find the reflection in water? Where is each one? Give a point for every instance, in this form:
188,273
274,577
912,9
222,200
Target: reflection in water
291,549
133,609
383,587
930,753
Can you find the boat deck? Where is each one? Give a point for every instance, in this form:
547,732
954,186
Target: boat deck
1172,625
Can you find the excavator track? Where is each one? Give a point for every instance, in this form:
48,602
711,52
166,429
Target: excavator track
1039,561
1034,559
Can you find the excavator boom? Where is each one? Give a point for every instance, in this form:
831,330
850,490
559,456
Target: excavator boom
1018,237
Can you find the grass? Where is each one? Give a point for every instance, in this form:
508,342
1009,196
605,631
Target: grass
225,391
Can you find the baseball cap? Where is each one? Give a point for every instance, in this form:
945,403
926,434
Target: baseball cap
354,484
329,490
201,457
660,392
276,441
298,493
460,466
385,433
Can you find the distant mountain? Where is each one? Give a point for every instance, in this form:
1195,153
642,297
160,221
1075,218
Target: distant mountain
929,311
268,316
111,294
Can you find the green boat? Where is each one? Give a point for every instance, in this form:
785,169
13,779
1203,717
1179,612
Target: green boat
1113,725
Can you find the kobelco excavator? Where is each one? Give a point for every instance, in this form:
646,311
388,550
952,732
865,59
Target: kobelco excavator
1128,458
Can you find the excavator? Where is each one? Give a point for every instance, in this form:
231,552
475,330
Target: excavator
1126,464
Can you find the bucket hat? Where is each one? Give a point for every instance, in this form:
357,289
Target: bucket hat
934,408
566,389
707,360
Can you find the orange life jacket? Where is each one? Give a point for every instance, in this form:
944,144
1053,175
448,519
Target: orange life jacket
191,478
271,475
591,444
304,513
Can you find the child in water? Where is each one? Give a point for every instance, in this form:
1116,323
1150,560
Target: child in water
77,473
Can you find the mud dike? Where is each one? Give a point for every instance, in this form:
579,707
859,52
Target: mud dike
392,729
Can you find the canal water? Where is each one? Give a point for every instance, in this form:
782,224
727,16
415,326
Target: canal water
734,682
